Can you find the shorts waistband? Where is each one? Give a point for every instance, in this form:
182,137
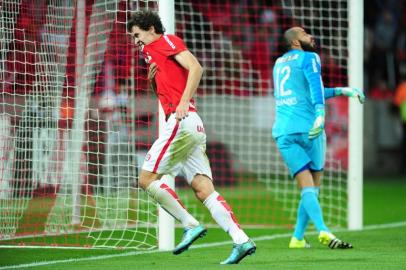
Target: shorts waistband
191,109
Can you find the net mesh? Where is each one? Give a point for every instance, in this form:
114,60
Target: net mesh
237,45
73,130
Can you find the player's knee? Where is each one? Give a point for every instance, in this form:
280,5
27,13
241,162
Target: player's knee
201,195
202,186
143,183
146,178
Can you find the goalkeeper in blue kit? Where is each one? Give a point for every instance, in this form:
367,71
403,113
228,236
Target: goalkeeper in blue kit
299,129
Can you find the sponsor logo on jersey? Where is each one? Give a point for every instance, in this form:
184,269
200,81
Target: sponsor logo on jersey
200,129
147,57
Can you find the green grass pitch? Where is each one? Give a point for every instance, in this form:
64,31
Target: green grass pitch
376,247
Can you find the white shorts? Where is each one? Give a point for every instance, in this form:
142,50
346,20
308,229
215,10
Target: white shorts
180,149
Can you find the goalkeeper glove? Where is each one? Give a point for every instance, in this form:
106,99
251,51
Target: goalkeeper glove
350,92
318,125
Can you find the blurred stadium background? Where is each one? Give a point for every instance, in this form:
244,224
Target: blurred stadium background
76,118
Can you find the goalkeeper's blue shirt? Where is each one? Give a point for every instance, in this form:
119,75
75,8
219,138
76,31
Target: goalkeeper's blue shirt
298,88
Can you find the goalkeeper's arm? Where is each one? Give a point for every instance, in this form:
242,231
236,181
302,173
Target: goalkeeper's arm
312,72
346,91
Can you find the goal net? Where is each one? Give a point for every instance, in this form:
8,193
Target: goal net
237,43
76,118
74,126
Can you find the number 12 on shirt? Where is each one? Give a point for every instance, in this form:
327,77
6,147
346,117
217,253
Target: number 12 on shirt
282,75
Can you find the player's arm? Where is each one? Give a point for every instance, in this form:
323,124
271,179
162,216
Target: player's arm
151,76
312,72
346,91
188,61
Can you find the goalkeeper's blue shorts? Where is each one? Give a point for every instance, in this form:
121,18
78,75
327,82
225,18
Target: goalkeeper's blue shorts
301,153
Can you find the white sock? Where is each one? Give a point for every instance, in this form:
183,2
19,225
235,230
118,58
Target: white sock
169,201
224,216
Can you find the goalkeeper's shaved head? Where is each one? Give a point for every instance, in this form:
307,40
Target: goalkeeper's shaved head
297,38
291,34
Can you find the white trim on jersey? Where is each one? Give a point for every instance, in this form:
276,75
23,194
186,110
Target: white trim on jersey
169,42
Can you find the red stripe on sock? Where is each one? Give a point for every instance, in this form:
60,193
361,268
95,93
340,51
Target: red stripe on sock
172,192
161,155
228,208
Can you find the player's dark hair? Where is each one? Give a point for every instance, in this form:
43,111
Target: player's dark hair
144,19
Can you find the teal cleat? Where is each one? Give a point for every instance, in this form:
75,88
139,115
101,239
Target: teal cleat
240,251
189,236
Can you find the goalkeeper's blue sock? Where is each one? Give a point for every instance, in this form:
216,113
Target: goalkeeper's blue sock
312,206
302,219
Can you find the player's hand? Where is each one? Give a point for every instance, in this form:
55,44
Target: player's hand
152,72
351,92
318,125
182,110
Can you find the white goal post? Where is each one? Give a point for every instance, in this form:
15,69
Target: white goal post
166,223
355,129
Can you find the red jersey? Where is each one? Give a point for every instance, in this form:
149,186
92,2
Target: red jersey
170,77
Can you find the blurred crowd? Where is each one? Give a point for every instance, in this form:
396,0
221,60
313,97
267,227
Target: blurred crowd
236,41
385,66
385,47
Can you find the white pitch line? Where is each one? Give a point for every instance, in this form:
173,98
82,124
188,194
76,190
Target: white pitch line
196,246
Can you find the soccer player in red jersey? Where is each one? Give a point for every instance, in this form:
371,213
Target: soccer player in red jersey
174,74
